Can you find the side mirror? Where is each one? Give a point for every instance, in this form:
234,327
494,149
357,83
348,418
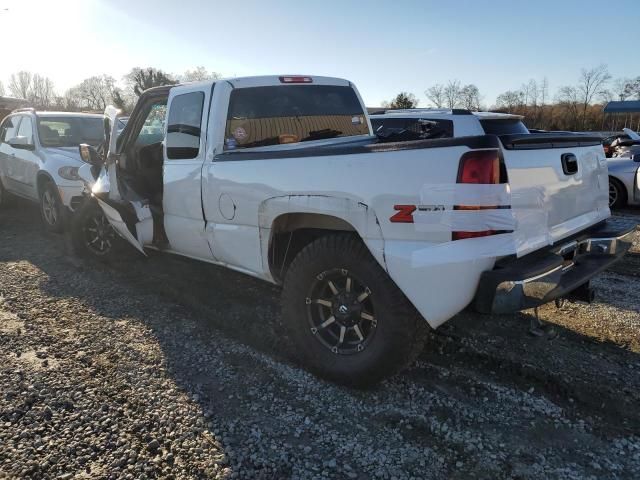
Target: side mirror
21,143
89,154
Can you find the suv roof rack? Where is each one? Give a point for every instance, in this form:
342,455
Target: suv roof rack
446,111
24,109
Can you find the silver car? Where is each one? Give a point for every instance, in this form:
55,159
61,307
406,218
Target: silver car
624,179
39,159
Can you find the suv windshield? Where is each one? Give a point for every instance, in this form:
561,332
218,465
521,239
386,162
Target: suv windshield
261,116
70,131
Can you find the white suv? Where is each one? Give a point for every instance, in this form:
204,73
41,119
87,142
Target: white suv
39,159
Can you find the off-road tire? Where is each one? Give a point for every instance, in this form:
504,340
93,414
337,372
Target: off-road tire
400,333
50,201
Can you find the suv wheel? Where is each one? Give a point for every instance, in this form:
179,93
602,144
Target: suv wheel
348,320
51,208
617,194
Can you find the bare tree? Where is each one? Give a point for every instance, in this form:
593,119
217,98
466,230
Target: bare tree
452,93
402,100
95,93
632,88
569,99
511,100
141,79
20,84
42,92
70,101
435,94
591,83
198,74
544,91
37,89
470,97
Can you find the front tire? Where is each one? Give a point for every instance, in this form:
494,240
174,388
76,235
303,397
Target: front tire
51,208
348,320
617,193
91,234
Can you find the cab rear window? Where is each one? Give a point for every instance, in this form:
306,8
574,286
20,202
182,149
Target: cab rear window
402,129
503,127
283,114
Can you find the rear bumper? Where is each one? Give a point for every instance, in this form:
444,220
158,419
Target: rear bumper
551,273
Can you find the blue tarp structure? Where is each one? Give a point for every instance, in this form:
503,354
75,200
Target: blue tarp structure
628,106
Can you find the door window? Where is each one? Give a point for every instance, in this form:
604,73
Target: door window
183,129
26,129
9,129
152,130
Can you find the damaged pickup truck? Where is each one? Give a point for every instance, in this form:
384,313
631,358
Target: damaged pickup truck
373,240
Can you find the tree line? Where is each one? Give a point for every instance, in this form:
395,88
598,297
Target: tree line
573,107
93,94
577,107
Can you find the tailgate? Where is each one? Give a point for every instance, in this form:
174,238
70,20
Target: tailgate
559,186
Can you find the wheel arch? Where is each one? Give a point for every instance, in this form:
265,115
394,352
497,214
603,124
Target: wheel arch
41,179
289,223
624,191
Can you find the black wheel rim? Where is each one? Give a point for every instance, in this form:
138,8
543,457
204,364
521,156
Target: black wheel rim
613,194
340,312
98,234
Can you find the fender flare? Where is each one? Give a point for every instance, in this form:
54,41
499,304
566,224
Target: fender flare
355,213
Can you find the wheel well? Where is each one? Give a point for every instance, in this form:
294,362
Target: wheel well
41,180
291,232
619,182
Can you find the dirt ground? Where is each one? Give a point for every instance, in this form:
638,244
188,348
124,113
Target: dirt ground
162,367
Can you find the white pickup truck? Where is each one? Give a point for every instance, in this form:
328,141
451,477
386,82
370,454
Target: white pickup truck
372,239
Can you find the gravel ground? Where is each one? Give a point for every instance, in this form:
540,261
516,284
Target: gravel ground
164,367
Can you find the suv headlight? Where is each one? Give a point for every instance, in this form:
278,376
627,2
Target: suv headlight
69,173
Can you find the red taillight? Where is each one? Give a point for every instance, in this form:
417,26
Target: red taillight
480,167
296,79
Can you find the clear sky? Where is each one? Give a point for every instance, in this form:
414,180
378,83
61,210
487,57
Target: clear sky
383,47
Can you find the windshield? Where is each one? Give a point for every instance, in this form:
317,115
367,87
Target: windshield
275,115
70,131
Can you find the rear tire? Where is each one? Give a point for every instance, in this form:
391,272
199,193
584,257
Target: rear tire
617,193
91,234
51,208
364,329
